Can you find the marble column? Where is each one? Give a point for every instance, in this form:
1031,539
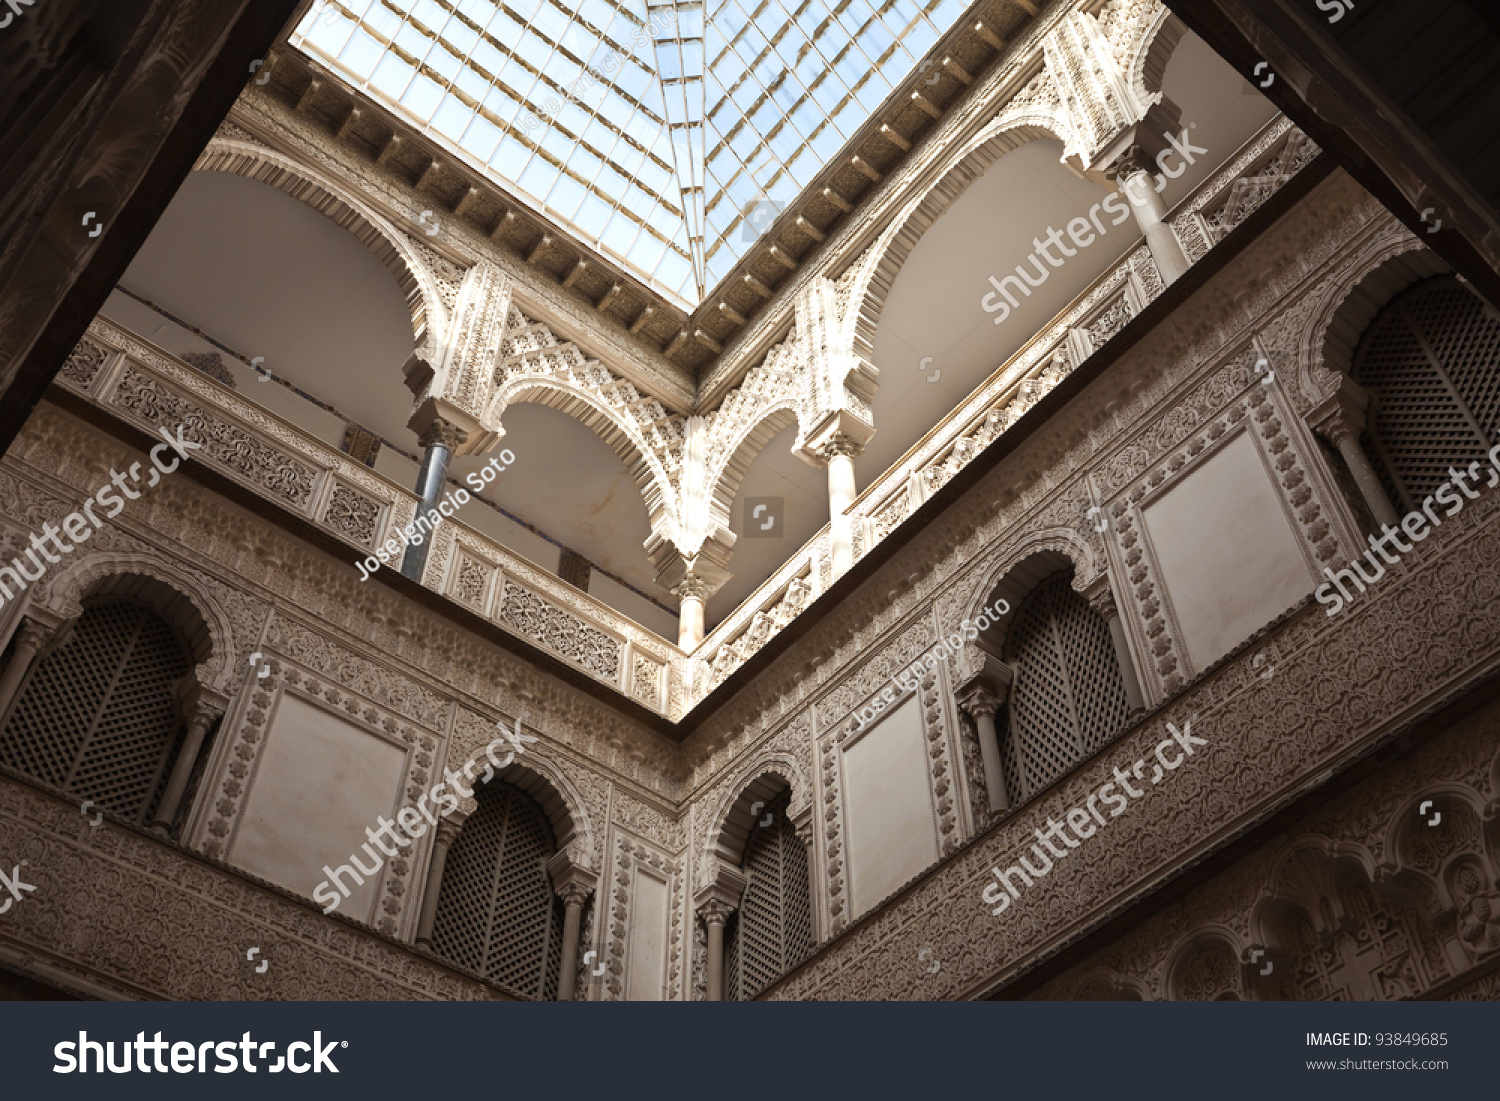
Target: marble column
439,441
715,912
574,895
838,453
202,712
1132,173
1341,421
1103,602
692,591
447,833
31,636
981,704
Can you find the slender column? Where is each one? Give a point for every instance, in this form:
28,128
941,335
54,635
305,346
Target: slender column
1342,428
573,895
1132,173
692,591
202,714
715,913
439,441
1103,602
30,637
447,833
981,704
839,453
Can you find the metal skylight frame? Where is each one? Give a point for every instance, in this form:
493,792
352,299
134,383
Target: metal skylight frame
665,133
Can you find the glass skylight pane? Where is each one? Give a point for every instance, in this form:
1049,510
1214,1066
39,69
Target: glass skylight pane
760,96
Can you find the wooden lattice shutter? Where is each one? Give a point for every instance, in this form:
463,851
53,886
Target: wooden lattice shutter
497,913
1067,698
1431,361
772,928
97,716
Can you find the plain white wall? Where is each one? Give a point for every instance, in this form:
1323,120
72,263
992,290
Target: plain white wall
889,812
319,783
1229,559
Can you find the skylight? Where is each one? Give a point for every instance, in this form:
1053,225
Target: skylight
665,141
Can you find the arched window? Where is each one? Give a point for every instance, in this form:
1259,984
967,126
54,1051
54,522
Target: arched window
97,716
1431,362
497,913
1067,697
772,928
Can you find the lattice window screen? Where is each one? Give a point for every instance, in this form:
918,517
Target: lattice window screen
772,929
497,913
1068,698
1431,360
97,715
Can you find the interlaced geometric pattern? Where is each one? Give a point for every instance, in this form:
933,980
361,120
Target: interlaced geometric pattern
772,929
1067,699
97,715
497,913
1431,361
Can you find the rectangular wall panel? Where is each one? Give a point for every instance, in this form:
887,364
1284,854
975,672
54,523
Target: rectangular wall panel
1228,556
888,807
646,970
320,782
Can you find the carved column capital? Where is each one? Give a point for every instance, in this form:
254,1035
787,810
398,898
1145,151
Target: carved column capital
447,831
1341,415
715,911
692,585
840,443
571,880
1132,161
443,433
197,704
722,894
977,700
574,894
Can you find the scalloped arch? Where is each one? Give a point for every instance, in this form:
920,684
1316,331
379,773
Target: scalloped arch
1184,949
742,449
429,316
623,437
1390,263
65,594
732,819
545,781
1147,65
1064,542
